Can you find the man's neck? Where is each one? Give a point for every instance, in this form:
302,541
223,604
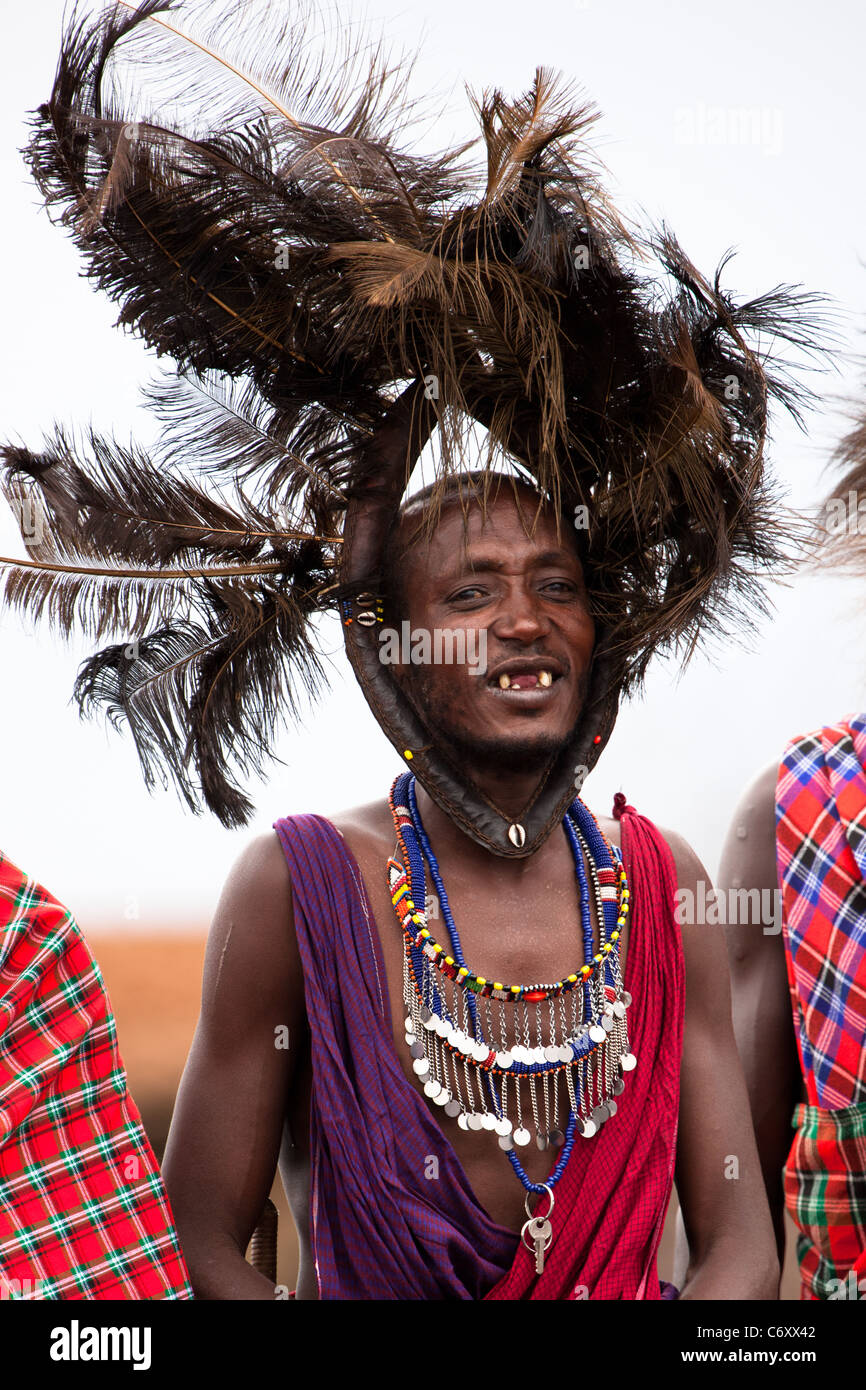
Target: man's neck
451,844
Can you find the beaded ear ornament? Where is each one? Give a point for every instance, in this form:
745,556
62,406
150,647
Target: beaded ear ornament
501,1056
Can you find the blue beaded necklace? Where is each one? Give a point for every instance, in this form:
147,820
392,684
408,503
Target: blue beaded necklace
579,824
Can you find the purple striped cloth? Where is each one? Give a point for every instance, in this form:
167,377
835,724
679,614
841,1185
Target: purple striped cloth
381,1227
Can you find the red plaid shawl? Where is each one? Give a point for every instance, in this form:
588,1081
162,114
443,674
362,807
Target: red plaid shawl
380,1228
83,1212
821,851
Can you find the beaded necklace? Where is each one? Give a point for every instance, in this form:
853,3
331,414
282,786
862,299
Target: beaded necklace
454,1014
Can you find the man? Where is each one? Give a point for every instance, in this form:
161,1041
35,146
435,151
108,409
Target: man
83,1212
526,592
331,299
800,985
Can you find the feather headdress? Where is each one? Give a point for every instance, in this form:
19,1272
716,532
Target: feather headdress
318,285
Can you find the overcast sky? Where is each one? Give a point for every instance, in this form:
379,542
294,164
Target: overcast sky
743,126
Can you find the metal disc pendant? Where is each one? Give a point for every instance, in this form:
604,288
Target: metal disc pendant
521,1136
489,1120
607,1023
551,1054
421,1066
610,1106
517,835
589,1129
503,1126
618,1086
417,1050
542,1141
432,1088
442,1096
505,1142
453,1108
626,998
475,1122
557,1138
628,1061
425,1013
462,1120
600,1114
480,1053
408,1024
504,1060
597,1034
619,1009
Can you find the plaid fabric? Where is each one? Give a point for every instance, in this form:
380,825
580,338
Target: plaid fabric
83,1212
821,851
825,1192
821,854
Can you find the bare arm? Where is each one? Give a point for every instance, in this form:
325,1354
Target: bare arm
225,1135
763,1023
727,1222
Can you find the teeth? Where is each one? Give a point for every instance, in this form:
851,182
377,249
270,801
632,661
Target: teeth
545,678
504,682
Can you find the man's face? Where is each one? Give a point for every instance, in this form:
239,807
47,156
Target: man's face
527,593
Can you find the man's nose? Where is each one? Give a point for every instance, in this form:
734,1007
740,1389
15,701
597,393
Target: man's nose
521,615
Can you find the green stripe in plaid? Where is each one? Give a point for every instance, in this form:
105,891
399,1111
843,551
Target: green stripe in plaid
825,1192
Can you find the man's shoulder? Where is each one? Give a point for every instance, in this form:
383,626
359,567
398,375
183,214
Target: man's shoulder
371,822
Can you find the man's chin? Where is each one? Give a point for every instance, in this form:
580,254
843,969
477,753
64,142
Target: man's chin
512,753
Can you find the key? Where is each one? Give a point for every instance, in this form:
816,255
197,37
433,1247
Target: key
541,1235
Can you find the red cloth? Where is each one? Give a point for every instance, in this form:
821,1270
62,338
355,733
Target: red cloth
611,1201
83,1212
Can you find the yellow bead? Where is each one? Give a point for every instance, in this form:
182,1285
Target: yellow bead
448,960
614,936
497,985
481,980
571,979
597,959
408,754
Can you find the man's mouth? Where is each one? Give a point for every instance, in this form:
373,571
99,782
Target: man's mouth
512,678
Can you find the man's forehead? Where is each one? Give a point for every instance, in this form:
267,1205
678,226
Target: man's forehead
463,517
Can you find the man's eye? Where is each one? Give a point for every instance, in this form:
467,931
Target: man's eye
561,584
465,594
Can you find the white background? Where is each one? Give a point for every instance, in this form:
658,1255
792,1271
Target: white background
73,809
